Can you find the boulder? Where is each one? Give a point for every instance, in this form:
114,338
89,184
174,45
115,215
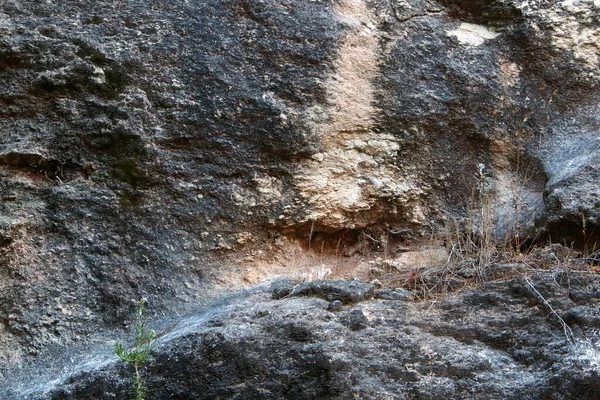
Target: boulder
492,342
347,292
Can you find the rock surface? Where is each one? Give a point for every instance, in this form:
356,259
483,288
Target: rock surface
345,291
146,145
499,341
394,294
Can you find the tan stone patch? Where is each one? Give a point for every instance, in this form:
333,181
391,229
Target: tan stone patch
429,256
472,34
510,74
341,186
570,32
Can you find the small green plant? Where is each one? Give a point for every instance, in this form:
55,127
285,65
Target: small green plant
138,354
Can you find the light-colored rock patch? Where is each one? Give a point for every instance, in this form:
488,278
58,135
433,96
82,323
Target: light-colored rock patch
571,27
510,74
341,185
472,34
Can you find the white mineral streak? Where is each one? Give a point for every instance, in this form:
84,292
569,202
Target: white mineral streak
342,184
472,35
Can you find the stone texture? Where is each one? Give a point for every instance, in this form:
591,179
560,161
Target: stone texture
335,306
394,294
345,291
495,342
282,287
146,144
139,142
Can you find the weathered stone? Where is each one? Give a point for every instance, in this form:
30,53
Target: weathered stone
335,306
377,283
394,294
345,291
492,342
584,316
354,320
282,287
143,143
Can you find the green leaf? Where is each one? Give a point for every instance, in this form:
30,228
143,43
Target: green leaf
140,352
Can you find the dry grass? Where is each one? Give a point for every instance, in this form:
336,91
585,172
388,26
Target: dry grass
463,269
476,255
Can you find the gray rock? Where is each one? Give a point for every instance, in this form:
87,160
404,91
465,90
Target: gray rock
394,294
282,287
138,143
335,306
144,142
354,320
584,316
345,291
487,343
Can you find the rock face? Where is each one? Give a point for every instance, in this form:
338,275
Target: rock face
137,140
496,342
144,142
